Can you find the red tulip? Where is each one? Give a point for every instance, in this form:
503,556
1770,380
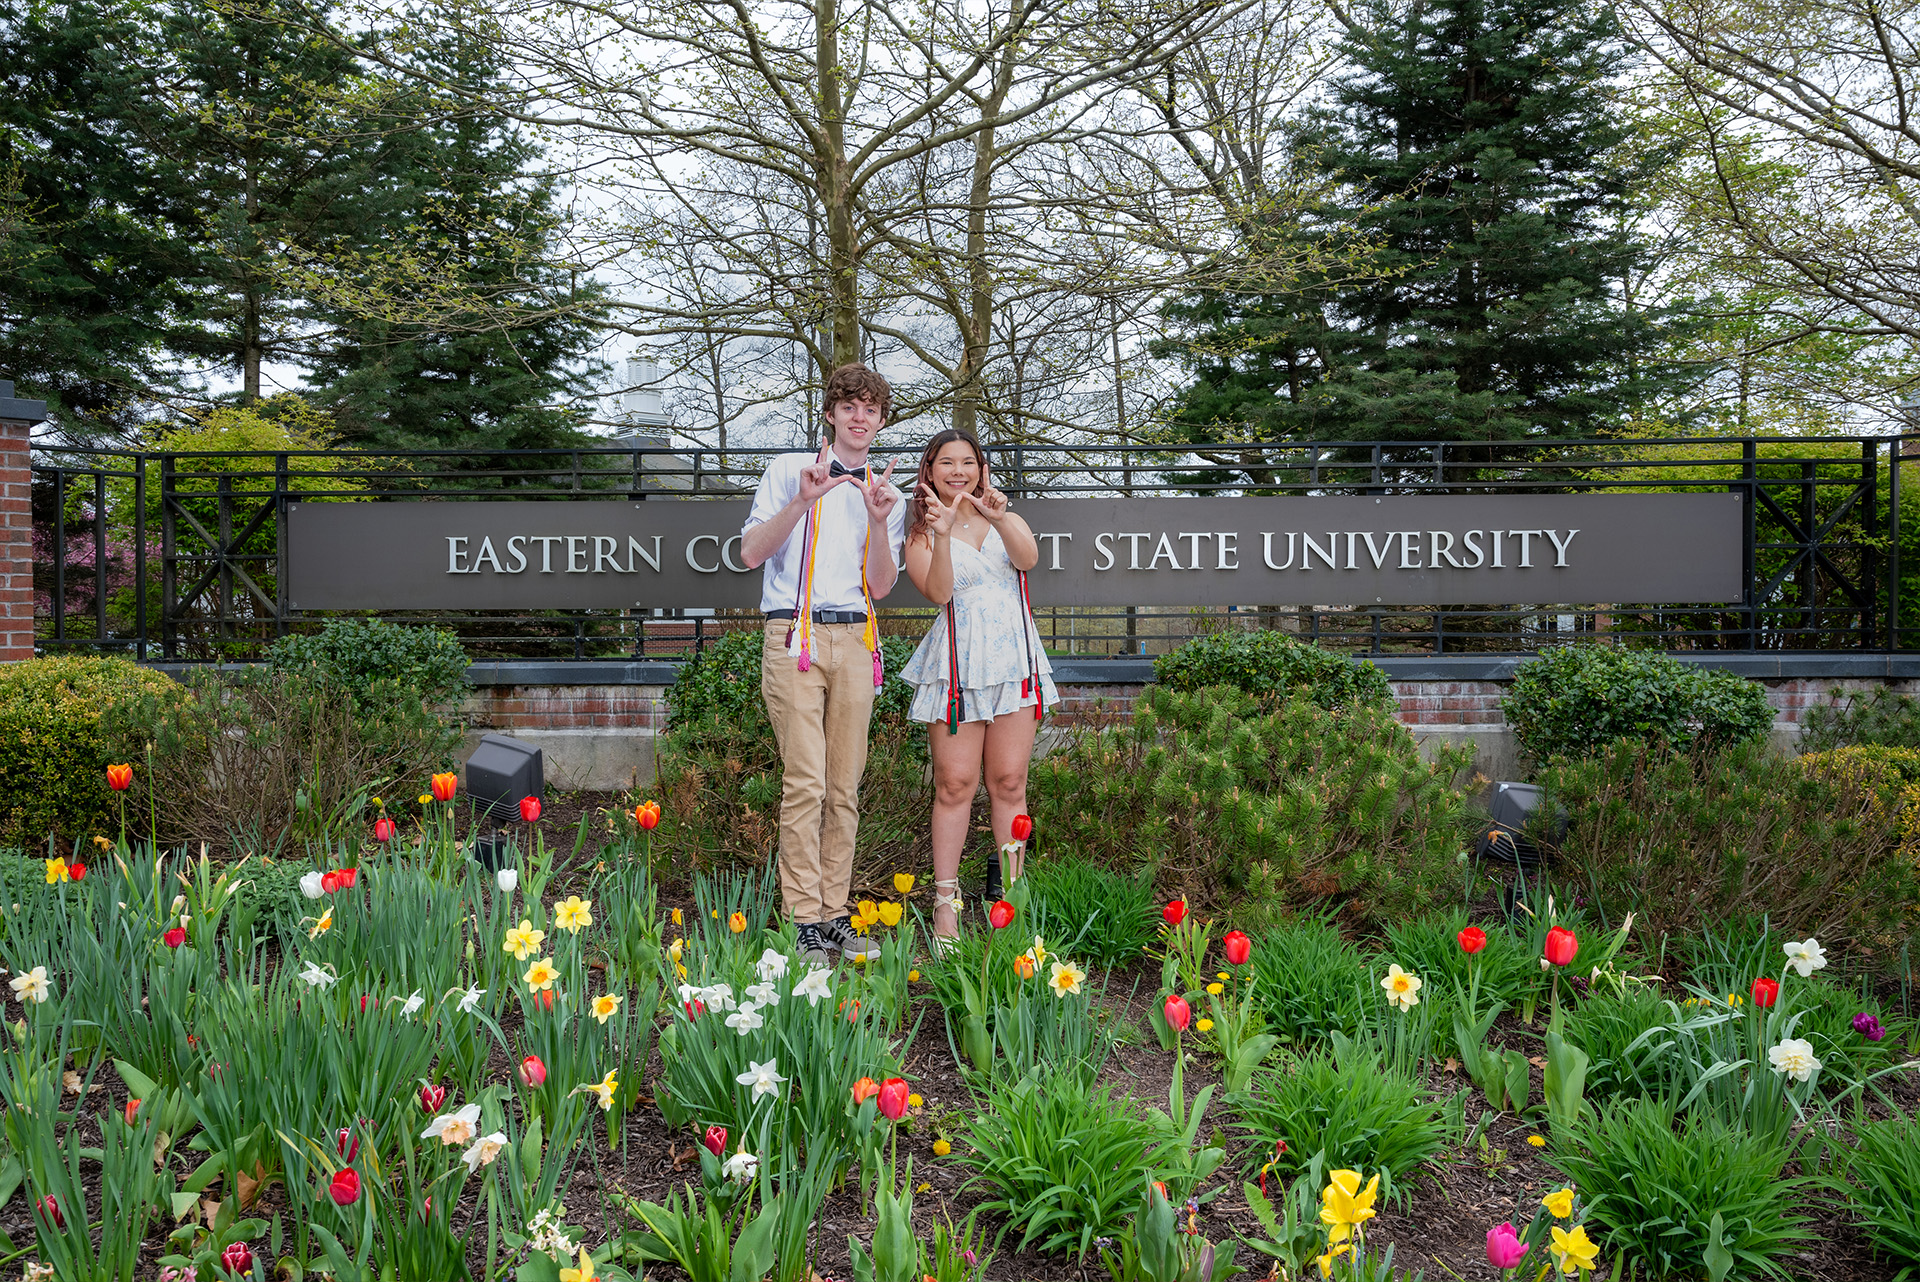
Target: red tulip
432,1097
529,808
533,1072
174,938
384,829
1237,947
1765,991
364,999
544,999
346,1144
1472,939
1022,827
330,882
1178,1013
237,1259
77,871
445,785
647,815
51,1208
1000,916
344,1188
716,1140
695,1008
347,877
120,778
131,1109
1561,947
893,1098
1175,912
863,1090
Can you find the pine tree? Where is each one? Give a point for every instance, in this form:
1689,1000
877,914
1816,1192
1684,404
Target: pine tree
1475,145
501,342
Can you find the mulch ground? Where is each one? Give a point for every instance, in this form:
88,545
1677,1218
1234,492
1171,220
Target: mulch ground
1441,1229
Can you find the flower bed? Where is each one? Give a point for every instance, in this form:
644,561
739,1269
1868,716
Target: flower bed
396,1062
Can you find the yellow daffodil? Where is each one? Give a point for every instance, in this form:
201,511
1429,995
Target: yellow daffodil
57,871
941,1148
1403,989
1574,1251
737,922
1559,1202
1204,1025
889,914
322,925
523,941
605,1005
1326,1261
678,920
540,975
1067,978
103,843
574,914
1345,1206
903,883
604,1089
1215,989
584,1273
676,950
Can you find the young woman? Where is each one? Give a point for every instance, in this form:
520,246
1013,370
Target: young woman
981,677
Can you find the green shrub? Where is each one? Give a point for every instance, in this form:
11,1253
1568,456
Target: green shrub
1575,699
1233,802
1309,981
1349,1109
1275,667
719,767
1689,840
358,654
53,760
1062,1162
1626,1051
1880,717
1656,1187
1883,1170
1429,946
1090,914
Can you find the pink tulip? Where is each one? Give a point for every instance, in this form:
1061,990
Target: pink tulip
1504,1250
532,1072
1178,1013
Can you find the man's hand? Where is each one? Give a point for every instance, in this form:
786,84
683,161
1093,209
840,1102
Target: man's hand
879,495
816,478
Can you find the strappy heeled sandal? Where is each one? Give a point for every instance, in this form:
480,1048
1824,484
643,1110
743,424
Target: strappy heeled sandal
946,894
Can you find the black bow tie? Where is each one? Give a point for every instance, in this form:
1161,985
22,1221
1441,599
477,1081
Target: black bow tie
840,469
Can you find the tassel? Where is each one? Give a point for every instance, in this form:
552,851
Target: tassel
879,670
806,658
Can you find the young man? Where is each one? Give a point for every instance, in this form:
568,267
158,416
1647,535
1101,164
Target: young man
829,531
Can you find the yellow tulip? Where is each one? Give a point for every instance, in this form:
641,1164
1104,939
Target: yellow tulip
889,914
737,922
903,882
584,1273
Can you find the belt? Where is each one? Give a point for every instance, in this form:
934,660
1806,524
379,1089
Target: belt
824,616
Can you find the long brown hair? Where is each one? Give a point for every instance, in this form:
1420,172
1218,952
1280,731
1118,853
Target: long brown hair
917,518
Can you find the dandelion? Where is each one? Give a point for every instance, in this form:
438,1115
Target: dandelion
1538,1141
941,1148
523,941
540,975
573,915
1204,1025
605,1005
1066,978
1215,989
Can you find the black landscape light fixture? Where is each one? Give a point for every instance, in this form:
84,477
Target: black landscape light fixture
501,772
1510,815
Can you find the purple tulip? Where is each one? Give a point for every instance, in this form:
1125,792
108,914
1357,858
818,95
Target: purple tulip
1868,1027
1504,1250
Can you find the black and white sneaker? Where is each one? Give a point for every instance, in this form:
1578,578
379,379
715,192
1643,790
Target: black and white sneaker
839,933
811,944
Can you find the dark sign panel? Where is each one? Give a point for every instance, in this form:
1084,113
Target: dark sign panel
1391,550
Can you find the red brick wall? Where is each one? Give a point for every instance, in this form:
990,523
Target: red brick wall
16,543
509,708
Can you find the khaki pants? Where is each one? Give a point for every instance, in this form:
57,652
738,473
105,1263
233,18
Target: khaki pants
820,718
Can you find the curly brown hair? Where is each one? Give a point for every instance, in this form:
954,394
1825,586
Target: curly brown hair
917,518
855,382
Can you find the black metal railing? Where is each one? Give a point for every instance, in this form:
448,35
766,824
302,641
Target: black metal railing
1822,545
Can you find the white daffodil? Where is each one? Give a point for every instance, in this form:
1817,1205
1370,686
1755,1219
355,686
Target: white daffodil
483,1151
1805,956
317,976
771,966
1795,1058
764,994
454,1129
764,1078
1402,987
470,1000
691,993
718,997
310,885
745,1020
508,879
741,1166
32,985
411,1006
816,985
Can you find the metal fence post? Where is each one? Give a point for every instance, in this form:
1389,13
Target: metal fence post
280,499
140,558
169,629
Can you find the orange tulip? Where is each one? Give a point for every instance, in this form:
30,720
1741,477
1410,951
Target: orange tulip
120,778
863,1090
647,815
444,786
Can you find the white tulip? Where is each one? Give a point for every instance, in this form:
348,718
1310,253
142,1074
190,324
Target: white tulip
310,885
508,879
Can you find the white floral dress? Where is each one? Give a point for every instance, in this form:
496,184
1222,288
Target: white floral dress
998,645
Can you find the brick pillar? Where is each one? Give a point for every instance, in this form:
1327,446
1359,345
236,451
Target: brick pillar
16,524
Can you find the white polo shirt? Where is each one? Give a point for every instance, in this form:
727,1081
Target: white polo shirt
836,568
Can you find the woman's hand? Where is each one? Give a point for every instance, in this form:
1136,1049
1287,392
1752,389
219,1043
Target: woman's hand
991,503
940,516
